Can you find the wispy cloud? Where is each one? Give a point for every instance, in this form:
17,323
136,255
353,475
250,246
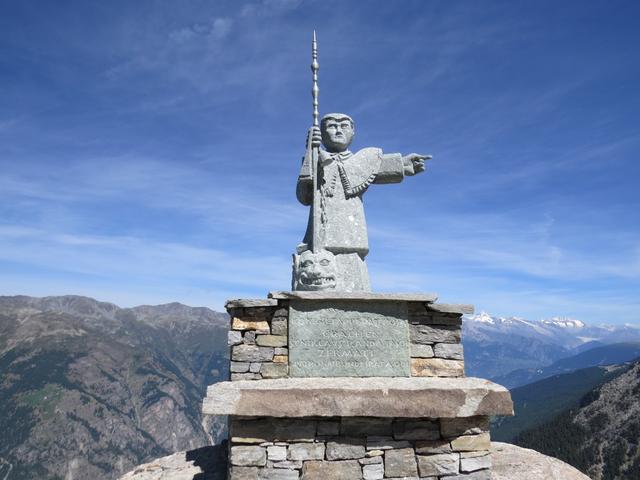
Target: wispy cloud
141,262
150,183
503,245
217,28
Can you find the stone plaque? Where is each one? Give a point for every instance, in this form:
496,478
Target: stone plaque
348,339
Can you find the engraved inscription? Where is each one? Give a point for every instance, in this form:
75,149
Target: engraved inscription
348,338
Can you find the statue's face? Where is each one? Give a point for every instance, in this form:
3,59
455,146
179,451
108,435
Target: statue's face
315,271
337,133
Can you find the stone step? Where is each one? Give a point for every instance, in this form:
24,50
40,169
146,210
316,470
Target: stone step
359,397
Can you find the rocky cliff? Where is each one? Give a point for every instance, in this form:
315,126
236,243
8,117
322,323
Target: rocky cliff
88,389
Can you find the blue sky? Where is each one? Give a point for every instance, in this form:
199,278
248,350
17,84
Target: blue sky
149,149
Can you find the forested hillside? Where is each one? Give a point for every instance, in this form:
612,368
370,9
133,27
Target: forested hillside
601,435
541,401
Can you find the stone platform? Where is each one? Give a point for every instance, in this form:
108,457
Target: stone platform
334,385
359,428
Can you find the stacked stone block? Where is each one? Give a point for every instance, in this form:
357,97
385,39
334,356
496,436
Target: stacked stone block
258,339
435,334
353,448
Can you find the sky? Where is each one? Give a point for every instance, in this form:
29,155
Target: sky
149,150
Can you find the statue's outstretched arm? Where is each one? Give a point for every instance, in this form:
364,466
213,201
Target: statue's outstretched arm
394,166
391,168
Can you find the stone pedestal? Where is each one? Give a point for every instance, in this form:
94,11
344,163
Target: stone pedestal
353,386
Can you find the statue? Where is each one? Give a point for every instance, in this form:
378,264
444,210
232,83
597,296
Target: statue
332,182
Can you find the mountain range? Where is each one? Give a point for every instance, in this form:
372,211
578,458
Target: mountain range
89,390
496,346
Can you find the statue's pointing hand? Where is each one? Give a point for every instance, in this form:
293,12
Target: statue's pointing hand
414,163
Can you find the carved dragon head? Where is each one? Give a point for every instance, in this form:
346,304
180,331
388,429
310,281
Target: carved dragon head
314,271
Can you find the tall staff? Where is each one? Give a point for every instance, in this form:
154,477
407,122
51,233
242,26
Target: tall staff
314,68
314,152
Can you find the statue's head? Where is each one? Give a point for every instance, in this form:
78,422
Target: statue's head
338,130
314,271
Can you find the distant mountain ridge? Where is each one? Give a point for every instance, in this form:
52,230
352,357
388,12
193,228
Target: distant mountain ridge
495,346
616,353
90,390
564,331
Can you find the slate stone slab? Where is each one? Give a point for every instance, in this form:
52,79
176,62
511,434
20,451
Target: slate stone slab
416,430
247,456
250,303
428,334
373,472
306,451
251,353
400,463
348,338
436,367
438,465
366,427
454,427
364,296
323,470
269,474
451,308
468,443
345,449
268,430
452,351
416,397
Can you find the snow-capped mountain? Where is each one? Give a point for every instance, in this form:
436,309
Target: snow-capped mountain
497,345
568,332
564,322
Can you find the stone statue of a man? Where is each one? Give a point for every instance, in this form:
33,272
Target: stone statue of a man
343,178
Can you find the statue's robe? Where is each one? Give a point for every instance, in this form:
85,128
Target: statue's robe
344,178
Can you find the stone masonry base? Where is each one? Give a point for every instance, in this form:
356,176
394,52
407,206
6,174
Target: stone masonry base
352,448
